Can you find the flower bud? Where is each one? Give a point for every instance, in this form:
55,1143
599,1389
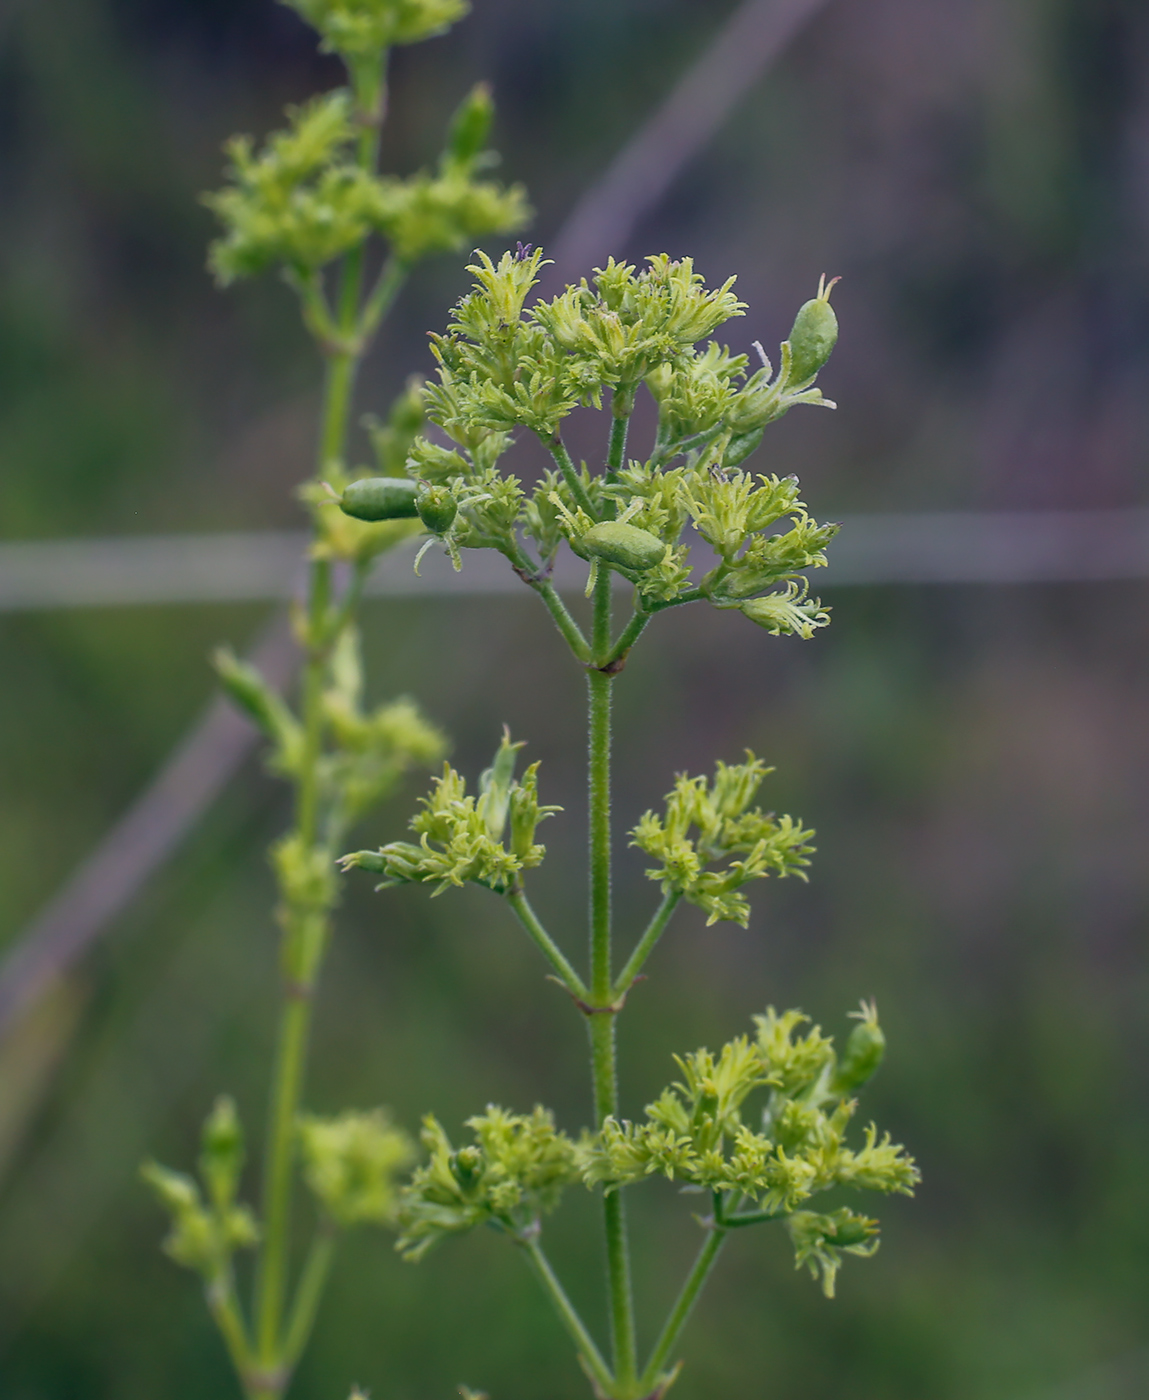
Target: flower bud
437,508
380,498
625,545
471,125
221,1157
864,1051
813,336
467,1166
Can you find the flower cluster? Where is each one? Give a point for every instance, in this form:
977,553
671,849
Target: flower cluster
726,826
696,1132
464,838
363,29
370,750
514,1171
305,198
504,366
207,1226
351,1163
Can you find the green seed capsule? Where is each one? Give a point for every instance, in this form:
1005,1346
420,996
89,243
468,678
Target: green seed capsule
814,335
437,508
625,545
380,498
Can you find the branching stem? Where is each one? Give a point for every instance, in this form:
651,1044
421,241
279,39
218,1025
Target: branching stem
308,1293
570,1318
557,448
546,944
646,944
682,1308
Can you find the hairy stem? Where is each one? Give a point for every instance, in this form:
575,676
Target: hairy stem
682,1309
646,944
623,407
525,568
627,637
601,1022
557,448
570,1318
546,944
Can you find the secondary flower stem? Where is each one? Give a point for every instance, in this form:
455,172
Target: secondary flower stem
682,1309
570,1318
546,944
646,944
308,1293
305,934
557,448
628,636
224,1308
287,1081
571,631
383,294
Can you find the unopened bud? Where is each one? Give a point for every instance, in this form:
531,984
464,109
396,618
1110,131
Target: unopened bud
864,1051
466,1166
437,508
221,1156
471,125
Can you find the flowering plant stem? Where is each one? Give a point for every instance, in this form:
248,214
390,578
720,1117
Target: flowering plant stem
500,367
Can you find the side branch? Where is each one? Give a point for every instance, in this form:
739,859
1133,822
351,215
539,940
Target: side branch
571,631
574,1324
682,1308
646,944
546,945
557,448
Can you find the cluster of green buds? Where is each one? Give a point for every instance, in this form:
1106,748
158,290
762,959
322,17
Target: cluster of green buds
725,824
696,1132
504,366
513,1172
208,1225
485,839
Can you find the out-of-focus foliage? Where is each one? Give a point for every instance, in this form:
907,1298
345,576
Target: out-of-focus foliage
976,758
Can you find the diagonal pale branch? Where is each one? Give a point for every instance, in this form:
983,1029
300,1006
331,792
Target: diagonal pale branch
679,130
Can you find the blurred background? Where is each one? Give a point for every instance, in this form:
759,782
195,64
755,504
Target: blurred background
975,758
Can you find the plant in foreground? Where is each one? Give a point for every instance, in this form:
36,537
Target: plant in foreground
760,1127
312,202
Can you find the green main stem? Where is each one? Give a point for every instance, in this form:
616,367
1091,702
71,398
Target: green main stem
601,1018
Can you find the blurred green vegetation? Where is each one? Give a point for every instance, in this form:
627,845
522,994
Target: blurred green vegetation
975,759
